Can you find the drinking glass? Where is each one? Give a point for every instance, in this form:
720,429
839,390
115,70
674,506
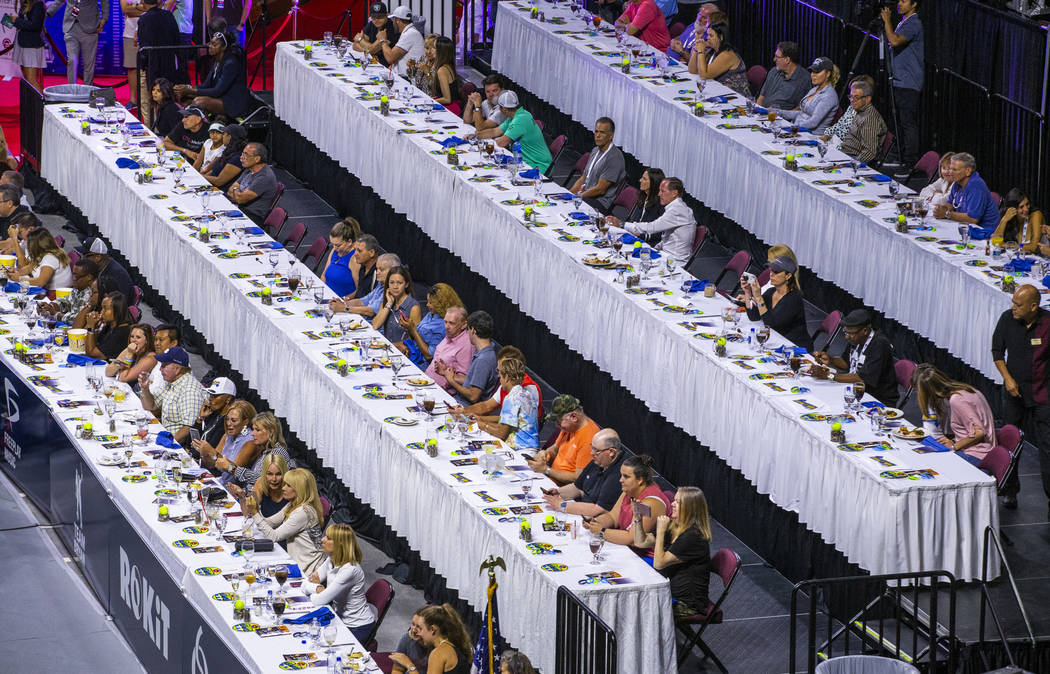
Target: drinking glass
314,630
822,149
205,197
526,488
219,523
596,543
129,451
277,605
395,365
294,276
248,551
280,574
329,633
275,259
426,405
142,429
100,104
964,236
894,188
762,335
176,173
645,261
318,294
727,318
328,39
450,427
176,474
669,263
858,390
94,379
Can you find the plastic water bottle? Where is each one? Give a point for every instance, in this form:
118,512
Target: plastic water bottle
269,605
752,341
335,666
517,153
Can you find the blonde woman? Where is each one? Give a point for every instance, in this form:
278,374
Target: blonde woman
298,523
340,581
237,447
269,488
47,264
682,550
268,439
430,330
817,108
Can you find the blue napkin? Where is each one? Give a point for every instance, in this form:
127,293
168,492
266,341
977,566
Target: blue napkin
872,404
791,350
579,215
293,571
128,163
563,197
654,255
254,230
1019,265
231,214
80,359
1046,281
502,158
716,99
134,125
438,106
879,178
760,110
13,287
530,174
981,233
807,142
324,616
166,439
694,286
629,239
271,244
59,325
934,445
452,141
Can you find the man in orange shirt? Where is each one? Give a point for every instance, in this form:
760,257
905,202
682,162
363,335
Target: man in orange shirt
565,459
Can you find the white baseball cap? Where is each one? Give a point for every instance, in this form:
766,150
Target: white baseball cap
402,13
507,99
222,386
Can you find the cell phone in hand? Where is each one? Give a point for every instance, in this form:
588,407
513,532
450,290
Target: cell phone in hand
641,509
550,492
195,434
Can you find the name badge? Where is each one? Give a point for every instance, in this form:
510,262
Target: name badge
1036,341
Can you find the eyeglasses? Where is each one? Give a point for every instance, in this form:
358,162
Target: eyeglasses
596,452
854,97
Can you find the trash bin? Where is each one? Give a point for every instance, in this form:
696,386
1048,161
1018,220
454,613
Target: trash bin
864,664
68,93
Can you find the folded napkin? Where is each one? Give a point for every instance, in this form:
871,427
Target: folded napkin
716,99
293,571
694,286
269,244
1046,281
502,158
806,142
653,254
13,287
579,215
1019,265
530,174
872,404
934,445
166,439
879,178
80,359
981,233
438,106
128,163
452,141
134,125
760,110
791,350
254,230
629,239
324,616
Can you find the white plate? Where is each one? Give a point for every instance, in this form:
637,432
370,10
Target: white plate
402,421
420,381
110,460
899,432
892,413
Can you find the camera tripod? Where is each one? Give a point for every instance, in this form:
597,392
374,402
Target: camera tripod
884,74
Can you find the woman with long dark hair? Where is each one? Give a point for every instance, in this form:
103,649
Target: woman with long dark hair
1019,223
715,58
619,525
445,635
227,166
398,303
165,111
648,206
961,409
445,82
108,328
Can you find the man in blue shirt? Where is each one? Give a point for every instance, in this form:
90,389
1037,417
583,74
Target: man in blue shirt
908,63
969,201
368,306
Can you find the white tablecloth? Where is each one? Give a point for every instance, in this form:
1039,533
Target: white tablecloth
883,525
930,290
137,502
419,497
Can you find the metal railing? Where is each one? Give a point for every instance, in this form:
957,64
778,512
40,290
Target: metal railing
477,28
991,538
30,122
584,643
870,602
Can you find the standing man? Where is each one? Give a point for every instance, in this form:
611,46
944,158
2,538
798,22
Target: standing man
182,10
907,69
1021,349
605,169
81,24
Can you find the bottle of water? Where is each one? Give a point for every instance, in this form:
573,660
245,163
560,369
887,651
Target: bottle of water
335,666
752,341
269,606
517,155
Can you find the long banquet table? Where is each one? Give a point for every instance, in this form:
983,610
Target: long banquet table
923,279
453,516
881,524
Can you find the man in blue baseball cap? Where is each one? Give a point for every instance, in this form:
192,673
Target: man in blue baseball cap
182,397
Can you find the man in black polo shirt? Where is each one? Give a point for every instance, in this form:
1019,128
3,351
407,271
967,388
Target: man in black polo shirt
598,486
188,137
378,28
111,274
868,358
1021,349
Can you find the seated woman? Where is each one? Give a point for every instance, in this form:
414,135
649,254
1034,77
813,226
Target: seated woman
716,59
445,82
47,264
682,550
398,303
515,662
519,414
423,337
268,489
225,89
936,193
1019,221
780,307
226,167
421,76
237,447
109,327
269,440
340,581
817,108
648,206
136,358
341,271
617,525
298,523
444,633
972,424
164,109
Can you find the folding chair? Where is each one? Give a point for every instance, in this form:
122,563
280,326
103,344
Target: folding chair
726,564
555,148
295,237
828,327
903,370
317,251
577,170
274,221
380,594
625,201
756,77
733,269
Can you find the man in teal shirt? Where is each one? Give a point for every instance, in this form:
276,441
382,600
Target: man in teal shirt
519,126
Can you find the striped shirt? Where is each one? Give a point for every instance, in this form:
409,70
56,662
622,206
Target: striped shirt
864,138
180,402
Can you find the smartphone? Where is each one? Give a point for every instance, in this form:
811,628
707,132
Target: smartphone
550,492
642,509
529,457
195,434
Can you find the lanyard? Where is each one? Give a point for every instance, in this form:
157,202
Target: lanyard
593,163
857,358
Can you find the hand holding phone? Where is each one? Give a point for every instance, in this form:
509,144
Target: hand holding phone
550,492
641,509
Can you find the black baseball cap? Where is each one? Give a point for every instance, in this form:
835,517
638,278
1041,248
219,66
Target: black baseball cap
377,9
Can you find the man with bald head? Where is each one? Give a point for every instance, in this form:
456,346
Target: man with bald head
1021,350
597,487
454,351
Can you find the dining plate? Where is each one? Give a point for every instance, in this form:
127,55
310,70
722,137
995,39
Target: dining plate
420,381
892,413
913,434
401,421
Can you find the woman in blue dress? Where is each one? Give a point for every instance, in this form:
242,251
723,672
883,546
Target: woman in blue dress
340,272
423,337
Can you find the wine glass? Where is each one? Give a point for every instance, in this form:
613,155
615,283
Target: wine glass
280,574
318,292
329,632
100,105
894,188
964,236
314,630
129,451
294,276
205,197
796,365
596,542
248,551
526,489
94,379
762,335
142,429
645,261
822,149
176,475
177,172
277,605
727,318
219,524
858,390
669,263
275,259
395,364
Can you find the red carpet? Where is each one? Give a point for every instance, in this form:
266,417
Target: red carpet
315,18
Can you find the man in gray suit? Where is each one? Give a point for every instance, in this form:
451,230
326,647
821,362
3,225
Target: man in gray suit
81,25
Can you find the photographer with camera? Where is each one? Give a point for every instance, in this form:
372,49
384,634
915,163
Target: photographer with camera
908,65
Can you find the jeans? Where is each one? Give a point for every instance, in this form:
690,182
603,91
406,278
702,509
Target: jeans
907,101
1035,422
82,48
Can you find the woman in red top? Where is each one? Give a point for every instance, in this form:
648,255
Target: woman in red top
636,480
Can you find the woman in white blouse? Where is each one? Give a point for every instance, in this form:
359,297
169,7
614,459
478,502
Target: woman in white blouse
48,265
340,581
298,523
936,193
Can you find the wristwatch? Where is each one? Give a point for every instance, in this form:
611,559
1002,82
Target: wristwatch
548,471
562,506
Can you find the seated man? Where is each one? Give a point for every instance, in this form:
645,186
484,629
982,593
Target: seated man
368,306
604,171
863,141
569,455
255,188
786,84
597,488
868,358
366,254
111,274
166,336
18,180
85,272
188,137
488,410
481,379
409,45
518,422
212,418
484,113
10,205
379,29
454,351
179,403
519,126
969,201
644,20
677,223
